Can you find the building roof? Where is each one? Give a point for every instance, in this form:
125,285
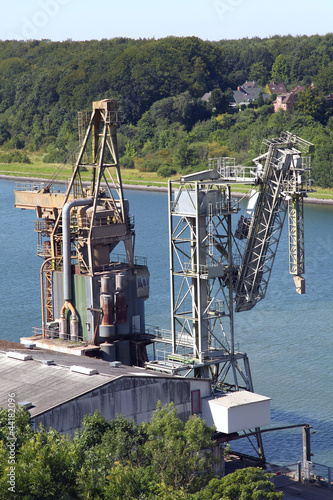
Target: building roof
46,385
298,88
242,96
286,97
250,85
240,398
277,88
250,95
206,96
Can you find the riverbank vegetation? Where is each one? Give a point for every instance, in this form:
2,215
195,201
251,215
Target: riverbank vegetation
164,459
167,128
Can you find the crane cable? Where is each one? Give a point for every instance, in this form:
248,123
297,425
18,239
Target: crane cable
60,168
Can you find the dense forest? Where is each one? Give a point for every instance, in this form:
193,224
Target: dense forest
121,460
159,84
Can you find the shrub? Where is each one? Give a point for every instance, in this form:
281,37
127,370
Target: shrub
14,157
150,165
15,142
166,171
126,162
55,155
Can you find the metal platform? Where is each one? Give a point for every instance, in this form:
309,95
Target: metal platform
57,345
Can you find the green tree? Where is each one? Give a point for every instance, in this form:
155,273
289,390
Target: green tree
105,445
21,423
280,69
4,132
219,101
45,468
125,481
93,429
324,79
322,170
124,440
258,73
184,158
126,162
251,484
178,454
314,103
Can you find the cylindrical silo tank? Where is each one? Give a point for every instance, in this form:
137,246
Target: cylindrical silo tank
123,352
120,282
74,330
106,328
63,328
121,310
108,351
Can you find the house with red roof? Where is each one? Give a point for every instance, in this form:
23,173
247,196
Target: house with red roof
286,100
277,88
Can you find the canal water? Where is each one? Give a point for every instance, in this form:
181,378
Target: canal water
288,337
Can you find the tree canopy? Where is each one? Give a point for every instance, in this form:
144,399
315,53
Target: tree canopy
159,84
165,459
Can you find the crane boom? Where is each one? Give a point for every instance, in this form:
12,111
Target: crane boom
281,182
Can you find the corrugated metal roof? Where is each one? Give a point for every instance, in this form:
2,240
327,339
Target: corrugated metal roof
44,386
47,386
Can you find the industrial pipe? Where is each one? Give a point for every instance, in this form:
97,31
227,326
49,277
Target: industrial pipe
67,272
63,334
66,243
46,261
68,305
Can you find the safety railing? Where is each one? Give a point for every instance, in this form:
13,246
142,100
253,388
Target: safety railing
52,333
322,475
29,186
138,260
228,169
165,336
313,473
285,474
46,332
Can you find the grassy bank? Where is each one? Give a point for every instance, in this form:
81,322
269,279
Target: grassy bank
38,169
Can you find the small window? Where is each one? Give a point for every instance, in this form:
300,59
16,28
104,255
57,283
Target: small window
196,401
142,282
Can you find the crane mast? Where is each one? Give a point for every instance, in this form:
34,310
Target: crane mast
217,270
92,297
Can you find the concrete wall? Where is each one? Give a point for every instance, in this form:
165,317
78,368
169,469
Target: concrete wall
130,396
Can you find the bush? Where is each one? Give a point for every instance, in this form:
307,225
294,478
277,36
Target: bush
55,155
166,171
14,157
250,483
150,165
126,162
20,157
15,142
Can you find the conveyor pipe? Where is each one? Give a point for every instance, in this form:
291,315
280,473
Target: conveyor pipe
66,242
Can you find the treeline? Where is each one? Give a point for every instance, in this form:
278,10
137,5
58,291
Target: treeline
164,459
159,84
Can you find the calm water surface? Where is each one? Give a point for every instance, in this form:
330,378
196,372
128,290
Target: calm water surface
287,337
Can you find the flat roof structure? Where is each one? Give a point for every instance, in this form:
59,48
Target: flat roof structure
60,389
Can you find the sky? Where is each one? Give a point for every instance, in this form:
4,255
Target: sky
206,19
